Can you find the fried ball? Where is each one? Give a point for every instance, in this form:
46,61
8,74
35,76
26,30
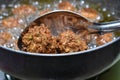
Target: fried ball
4,37
89,13
65,5
105,38
24,10
11,22
68,41
39,40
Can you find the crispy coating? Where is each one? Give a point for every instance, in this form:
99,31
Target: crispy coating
104,38
4,37
24,10
89,13
39,39
11,22
68,41
65,5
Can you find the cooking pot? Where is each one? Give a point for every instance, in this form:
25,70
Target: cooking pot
77,65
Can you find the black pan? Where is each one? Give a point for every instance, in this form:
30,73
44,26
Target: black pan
78,65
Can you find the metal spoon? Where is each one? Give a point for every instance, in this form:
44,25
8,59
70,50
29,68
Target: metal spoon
61,20
102,27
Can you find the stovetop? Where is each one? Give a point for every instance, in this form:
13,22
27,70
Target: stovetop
4,76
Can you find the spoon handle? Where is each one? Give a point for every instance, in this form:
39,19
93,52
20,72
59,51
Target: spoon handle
107,26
